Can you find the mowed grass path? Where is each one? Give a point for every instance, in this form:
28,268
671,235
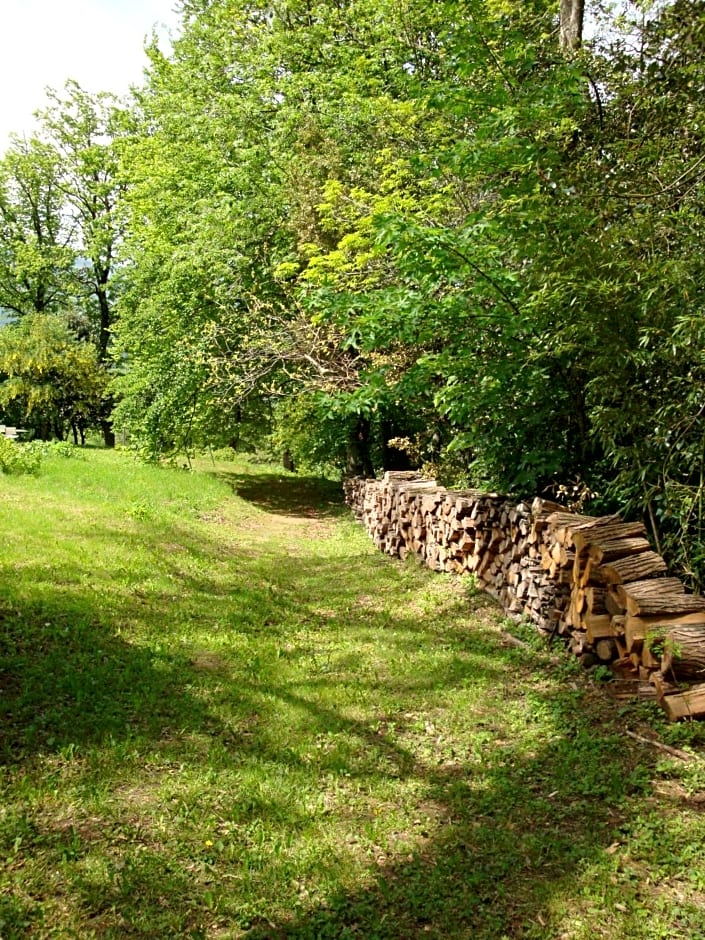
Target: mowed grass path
224,715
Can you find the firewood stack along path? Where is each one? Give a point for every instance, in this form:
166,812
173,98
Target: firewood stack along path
594,581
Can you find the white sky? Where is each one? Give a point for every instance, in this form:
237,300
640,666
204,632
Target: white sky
99,43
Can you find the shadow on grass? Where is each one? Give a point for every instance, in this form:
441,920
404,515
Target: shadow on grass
515,844
72,675
501,836
68,681
310,497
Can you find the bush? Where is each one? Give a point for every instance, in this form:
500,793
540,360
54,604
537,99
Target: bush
65,449
20,458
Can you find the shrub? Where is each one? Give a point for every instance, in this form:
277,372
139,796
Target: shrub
20,458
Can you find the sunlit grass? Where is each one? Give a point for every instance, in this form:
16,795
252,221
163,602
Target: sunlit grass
224,714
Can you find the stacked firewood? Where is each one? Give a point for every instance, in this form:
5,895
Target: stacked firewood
484,534
624,609
593,580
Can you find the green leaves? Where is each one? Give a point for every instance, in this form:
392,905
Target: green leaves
53,379
371,222
36,252
87,132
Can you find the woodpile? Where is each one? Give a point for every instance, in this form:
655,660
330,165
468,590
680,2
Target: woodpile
461,532
594,581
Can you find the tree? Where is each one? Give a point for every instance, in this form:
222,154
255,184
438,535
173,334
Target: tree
37,257
86,131
383,220
431,280
53,380
259,108
649,417
205,217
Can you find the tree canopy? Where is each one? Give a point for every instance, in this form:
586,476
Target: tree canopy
52,381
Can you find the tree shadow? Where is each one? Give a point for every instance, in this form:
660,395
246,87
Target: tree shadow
71,677
309,497
71,682
509,842
68,681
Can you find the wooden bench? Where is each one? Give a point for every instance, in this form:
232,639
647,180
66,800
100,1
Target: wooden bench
11,434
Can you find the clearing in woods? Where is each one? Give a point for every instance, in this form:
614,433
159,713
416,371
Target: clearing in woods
224,715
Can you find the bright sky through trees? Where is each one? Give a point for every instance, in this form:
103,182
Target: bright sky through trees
99,43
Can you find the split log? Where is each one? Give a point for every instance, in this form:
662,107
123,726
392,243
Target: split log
662,685
632,568
595,600
664,603
637,630
562,525
605,650
606,529
618,625
639,589
684,651
561,556
587,529
624,668
466,543
598,626
541,505
611,549
612,604
591,574
649,660
661,623
397,476
690,704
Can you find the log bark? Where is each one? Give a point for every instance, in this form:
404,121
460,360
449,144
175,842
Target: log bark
632,568
639,629
611,549
684,652
647,588
606,529
562,523
690,704
658,604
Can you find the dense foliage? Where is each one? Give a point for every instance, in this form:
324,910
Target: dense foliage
59,232
445,233
53,382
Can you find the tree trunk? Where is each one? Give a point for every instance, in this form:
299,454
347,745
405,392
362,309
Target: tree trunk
234,441
571,25
101,275
106,425
359,462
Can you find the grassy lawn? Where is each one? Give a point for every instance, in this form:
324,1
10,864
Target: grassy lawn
224,715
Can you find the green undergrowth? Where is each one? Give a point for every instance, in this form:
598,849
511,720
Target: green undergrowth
224,715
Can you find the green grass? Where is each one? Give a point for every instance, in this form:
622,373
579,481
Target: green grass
224,715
